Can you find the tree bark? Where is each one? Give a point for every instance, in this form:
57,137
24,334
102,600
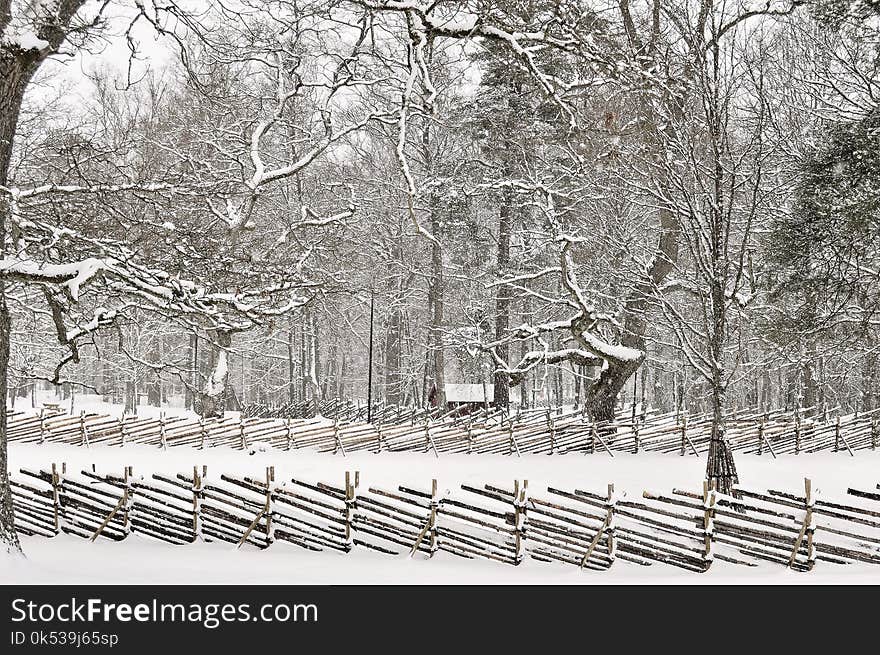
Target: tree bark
435,290
215,394
503,296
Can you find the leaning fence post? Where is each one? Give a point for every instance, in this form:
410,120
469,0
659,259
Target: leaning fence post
684,427
607,528
430,525
242,433
873,434
42,425
761,437
288,434
837,435
609,522
797,435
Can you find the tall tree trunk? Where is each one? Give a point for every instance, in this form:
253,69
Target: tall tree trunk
189,395
503,294
393,377
869,381
291,364
315,361
17,68
154,384
435,290
303,355
8,535
15,73
602,395
720,467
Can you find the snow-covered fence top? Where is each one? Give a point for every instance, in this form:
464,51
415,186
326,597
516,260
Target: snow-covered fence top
505,523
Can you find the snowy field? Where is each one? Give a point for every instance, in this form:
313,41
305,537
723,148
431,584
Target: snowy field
67,559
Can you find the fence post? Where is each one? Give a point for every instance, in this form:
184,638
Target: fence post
127,495
288,434
163,442
609,522
708,522
338,441
837,435
432,528
513,445
430,525
807,530
873,434
242,433
551,429
349,511
636,425
684,427
43,425
797,435
379,437
83,430
810,501
198,495
56,499
470,437
520,498
203,432
270,505
607,529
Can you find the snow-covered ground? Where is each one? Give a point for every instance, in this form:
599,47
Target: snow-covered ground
67,559
89,402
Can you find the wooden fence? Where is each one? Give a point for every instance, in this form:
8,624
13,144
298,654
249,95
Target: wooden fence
685,528
540,432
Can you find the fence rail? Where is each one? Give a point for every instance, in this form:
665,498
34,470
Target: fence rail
685,528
